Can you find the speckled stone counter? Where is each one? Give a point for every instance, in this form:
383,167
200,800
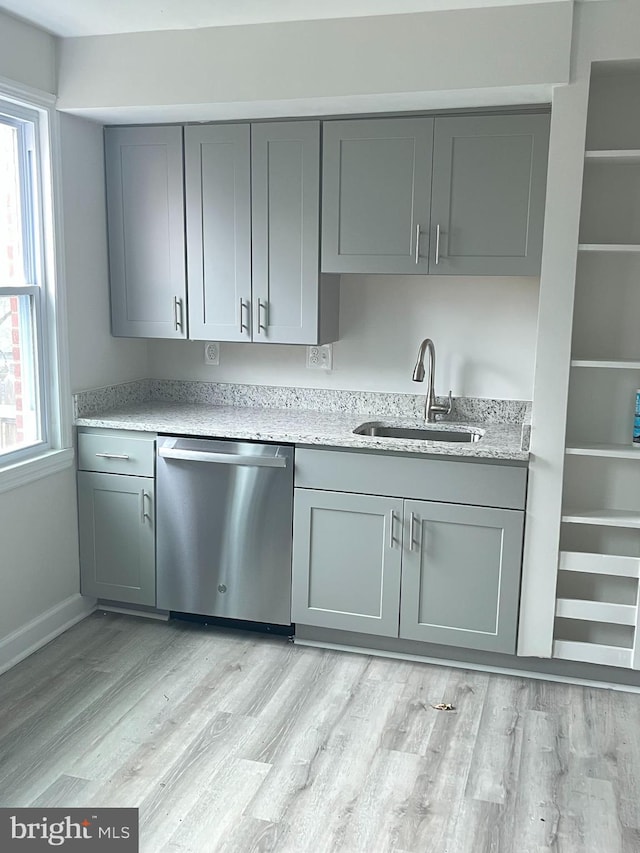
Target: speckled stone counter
305,426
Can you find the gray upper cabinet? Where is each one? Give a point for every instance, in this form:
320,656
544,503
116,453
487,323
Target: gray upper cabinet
292,302
218,209
346,561
253,235
488,193
145,214
447,196
461,575
376,195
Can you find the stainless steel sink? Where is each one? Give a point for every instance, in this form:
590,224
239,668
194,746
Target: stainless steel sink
418,433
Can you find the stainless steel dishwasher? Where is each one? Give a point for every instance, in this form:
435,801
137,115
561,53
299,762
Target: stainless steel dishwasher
224,520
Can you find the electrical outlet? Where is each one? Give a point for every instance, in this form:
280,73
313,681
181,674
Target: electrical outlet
320,357
211,353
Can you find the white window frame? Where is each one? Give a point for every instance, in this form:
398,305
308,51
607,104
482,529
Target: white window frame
55,452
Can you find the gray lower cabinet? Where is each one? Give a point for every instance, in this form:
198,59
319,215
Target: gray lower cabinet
421,570
461,575
461,195
376,191
117,540
145,215
346,561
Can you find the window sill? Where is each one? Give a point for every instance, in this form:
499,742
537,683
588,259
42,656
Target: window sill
29,470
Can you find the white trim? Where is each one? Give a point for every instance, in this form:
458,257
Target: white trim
596,653
596,611
632,248
456,664
613,156
30,470
20,93
61,414
610,451
614,565
57,400
44,628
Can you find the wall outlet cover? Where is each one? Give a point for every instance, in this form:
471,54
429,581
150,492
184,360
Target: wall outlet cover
212,353
320,358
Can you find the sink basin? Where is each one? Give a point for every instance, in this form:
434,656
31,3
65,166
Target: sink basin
418,433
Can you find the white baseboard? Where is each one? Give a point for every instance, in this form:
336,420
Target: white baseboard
44,628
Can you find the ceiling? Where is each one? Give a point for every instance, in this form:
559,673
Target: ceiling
102,17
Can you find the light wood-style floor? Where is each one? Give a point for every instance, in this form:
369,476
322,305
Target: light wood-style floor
234,742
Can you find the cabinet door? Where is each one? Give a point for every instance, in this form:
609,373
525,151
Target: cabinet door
285,184
488,192
375,195
346,561
117,546
461,575
145,212
218,200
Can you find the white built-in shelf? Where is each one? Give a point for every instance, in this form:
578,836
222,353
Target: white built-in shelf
607,363
615,155
599,564
604,517
596,611
593,653
611,451
629,248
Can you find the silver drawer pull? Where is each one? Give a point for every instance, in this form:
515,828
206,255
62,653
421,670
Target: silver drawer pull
393,539
143,514
263,306
113,455
414,542
223,458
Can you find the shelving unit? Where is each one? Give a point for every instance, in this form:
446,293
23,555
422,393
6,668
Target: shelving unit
597,604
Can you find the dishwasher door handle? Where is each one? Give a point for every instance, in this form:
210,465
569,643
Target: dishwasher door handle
223,458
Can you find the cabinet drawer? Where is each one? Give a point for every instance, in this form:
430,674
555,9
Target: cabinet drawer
447,480
119,452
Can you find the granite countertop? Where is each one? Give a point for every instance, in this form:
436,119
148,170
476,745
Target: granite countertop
303,427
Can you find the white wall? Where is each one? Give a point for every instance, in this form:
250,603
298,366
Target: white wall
484,330
39,566
96,358
467,57
27,54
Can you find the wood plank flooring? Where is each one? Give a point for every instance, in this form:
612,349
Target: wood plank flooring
232,742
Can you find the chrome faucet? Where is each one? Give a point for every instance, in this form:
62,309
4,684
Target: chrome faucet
431,408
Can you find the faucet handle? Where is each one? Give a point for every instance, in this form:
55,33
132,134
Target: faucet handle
443,408
449,403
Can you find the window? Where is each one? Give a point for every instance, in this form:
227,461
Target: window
26,369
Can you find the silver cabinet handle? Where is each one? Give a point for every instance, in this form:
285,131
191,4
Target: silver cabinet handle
143,515
438,243
418,243
393,539
223,458
177,313
244,327
263,306
113,455
414,543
